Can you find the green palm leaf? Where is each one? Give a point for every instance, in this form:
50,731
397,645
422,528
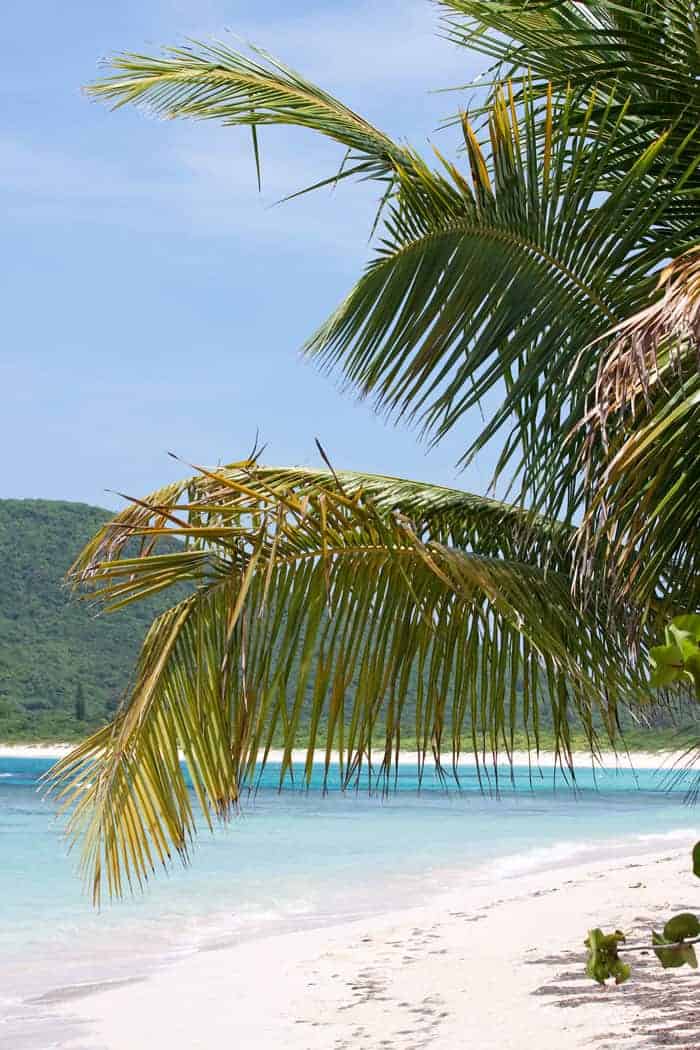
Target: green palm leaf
636,61
479,283
319,601
482,288
644,513
211,82
648,46
642,50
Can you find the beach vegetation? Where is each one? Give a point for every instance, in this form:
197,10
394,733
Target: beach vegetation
550,265
679,659
675,661
674,947
51,647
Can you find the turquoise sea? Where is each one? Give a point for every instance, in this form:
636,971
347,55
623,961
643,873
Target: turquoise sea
294,859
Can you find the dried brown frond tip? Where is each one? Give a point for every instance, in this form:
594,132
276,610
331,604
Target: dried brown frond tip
662,338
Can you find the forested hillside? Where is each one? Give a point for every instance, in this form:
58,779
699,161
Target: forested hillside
63,668
58,660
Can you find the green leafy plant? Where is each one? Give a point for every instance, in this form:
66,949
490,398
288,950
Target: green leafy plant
603,958
678,954
679,659
674,947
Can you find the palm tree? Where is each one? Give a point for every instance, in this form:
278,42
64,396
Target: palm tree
556,263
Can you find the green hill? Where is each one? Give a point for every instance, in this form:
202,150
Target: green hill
55,653
59,661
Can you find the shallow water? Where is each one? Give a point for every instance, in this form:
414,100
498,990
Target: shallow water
296,858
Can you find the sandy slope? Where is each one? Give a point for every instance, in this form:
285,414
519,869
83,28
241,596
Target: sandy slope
496,968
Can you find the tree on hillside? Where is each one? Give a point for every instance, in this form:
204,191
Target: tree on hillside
554,261
80,705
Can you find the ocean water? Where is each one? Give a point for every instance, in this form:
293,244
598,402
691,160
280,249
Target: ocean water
293,859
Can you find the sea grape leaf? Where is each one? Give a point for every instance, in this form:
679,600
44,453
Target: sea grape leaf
667,665
672,958
670,947
690,623
603,959
679,659
685,640
692,667
621,971
681,927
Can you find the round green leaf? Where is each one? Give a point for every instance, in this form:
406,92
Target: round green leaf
689,623
681,927
672,958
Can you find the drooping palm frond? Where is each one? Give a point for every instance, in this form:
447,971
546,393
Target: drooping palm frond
479,283
659,343
212,82
486,287
643,486
644,511
322,603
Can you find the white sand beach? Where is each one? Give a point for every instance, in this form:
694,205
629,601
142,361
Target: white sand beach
497,967
545,760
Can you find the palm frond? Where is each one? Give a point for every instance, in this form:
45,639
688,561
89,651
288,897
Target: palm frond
480,283
484,286
635,60
645,50
322,602
658,342
208,81
643,515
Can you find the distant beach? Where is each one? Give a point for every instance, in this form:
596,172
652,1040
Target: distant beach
545,760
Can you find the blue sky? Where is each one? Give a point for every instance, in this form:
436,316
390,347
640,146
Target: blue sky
153,300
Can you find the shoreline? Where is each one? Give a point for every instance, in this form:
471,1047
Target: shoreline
468,924
545,760
490,965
